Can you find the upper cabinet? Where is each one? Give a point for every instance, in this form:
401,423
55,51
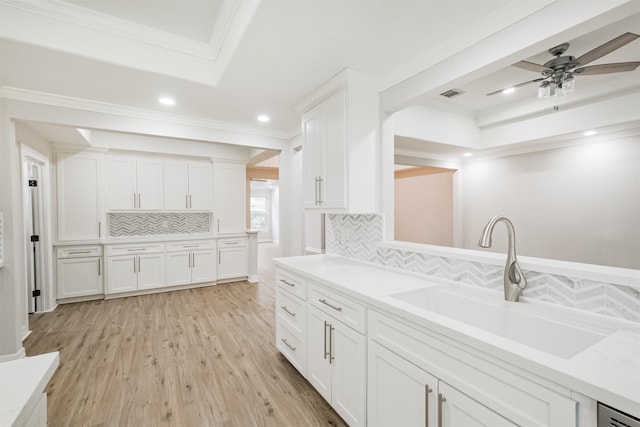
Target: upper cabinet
188,185
229,181
340,142
134,183
79,198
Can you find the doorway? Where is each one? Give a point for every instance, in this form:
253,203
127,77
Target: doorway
264,214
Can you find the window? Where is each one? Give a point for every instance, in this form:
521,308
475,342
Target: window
259,213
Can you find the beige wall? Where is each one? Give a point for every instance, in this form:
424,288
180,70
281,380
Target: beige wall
424,206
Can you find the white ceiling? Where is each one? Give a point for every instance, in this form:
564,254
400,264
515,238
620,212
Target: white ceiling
230,60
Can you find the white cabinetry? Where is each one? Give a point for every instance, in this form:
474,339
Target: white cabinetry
340,140
79,271
232,258
191,262
291,318
188,185
135,183
229,181
470,389
79,198
135,267
336,353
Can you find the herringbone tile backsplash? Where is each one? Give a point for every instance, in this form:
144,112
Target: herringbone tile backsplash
154,224
359,237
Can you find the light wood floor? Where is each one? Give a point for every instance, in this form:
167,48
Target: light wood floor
200,357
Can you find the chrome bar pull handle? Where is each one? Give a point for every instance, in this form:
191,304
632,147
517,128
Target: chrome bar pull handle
320,181
138,263
441,400
186,201
331,356
290,313
193,259
324,301
284,340
99,229
79,252
287,283
427,390
326,353
99,266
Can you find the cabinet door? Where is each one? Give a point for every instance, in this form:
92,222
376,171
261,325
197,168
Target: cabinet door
151,271
333,185
229,182
121,183
121,274
203,266
150,177
458,409
313,155
79,277
178,268
318,358
176,185
399,393
79,187
348,393
201,186
232,263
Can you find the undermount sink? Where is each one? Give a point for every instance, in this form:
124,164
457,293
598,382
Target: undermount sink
505,319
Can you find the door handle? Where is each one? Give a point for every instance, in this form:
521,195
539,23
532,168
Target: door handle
331,356
427,390
326,353
441,399
99,266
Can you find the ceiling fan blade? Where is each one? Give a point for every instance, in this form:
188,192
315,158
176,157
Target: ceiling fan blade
606,48
530,66
618,67
518,85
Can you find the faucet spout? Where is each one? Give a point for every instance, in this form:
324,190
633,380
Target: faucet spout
513,279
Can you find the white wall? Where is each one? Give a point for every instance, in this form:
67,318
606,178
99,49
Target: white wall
275,214
577,203
313,232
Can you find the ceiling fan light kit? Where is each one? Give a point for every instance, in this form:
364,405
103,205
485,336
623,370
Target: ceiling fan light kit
558,74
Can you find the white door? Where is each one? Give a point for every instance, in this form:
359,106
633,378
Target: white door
150,177
121,183
349,391
333,185
203,266
178,268
176,185
229,182
79,196
232,263
399,393
318,359
151,271
79,276
121,274
201,186
313,155
458,409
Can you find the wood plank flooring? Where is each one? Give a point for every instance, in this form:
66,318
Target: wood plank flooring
199,357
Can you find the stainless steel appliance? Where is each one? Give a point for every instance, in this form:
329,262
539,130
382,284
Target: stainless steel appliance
609,417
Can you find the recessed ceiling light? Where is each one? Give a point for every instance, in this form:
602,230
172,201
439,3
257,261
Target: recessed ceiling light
509,90
263,118
164,100
468,154
590,133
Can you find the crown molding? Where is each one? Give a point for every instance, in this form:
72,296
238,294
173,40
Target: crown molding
79,16
24,95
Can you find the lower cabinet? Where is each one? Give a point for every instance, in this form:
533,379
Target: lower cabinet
191,263
79,271
336,365
143,267
232,258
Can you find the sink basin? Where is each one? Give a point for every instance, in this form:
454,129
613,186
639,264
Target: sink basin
508,320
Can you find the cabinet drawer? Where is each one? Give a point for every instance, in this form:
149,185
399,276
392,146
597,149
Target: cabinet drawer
230,243
191,246
292,311
340,307
292,283
292,347
144,248
78,251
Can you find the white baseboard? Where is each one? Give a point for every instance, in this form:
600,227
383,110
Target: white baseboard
18,355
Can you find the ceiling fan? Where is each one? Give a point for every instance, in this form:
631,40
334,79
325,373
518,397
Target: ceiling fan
559,72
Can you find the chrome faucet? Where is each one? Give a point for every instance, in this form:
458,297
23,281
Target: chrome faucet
513,280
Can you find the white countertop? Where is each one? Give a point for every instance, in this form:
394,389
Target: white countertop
608,371
21,381
152,239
